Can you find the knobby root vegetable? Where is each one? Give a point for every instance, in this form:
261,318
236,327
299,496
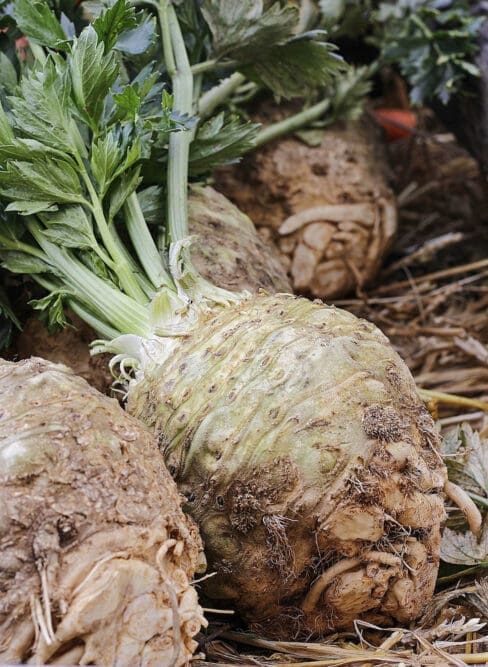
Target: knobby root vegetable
227,249
95,552
307,459
328,208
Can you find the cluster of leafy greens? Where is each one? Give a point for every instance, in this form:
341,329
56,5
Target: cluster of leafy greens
86,138
433,42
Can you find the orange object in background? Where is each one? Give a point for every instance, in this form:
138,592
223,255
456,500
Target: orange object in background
397,123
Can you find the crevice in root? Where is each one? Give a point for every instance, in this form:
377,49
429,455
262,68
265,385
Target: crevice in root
324,580
177,641
460,498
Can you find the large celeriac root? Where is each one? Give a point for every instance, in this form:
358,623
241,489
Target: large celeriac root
226,250
327,208
96,555
307,459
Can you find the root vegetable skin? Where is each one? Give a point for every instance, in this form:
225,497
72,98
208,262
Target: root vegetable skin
96,554
227,250
327,208
297,436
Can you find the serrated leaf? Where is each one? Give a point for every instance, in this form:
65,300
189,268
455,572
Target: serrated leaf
6,133
128,101
464,548
19,262
49,180
51,309
8,75
70,228
113,21
138,40
242,29
92,73
297,68
220,141
36,20
43,108
105,158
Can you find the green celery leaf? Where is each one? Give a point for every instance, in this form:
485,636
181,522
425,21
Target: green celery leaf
8,75
465,548
20,262
105,158
8,320
92,73
128,101
70,228
30,207
121,190
43,108
151,201
139,40
220,141
7,135
113,21
296,68
244,29
36,20
51,309
49,180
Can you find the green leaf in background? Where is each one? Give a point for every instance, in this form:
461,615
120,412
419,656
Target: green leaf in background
128,101
243,29
92,73
8,75
140,39
70,228
297,68
30,207
8,320
151,201
117,19
51,309
36,20
121,190
220,141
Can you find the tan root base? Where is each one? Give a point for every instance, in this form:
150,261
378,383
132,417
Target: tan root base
95,552
308,461
327,208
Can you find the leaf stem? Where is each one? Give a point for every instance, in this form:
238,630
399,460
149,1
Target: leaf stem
124,272
463,573
291,123
149,256
210,100
179,142
214,63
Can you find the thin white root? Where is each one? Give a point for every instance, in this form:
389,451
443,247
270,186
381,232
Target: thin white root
47,605
332,213
324,580
460,498
384,558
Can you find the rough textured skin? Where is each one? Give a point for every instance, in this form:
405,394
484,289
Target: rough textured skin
296,434
227,249
333,251
95,552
